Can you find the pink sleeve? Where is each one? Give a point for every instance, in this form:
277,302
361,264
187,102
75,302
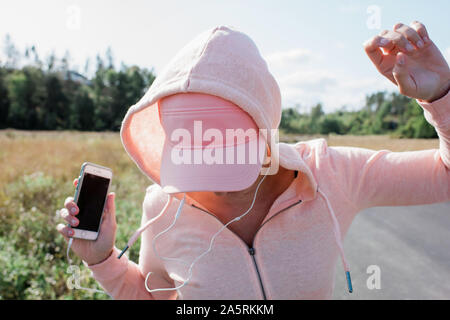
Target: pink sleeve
120,278
372,178
124,279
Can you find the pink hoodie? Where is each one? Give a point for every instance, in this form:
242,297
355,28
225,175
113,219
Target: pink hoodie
294,251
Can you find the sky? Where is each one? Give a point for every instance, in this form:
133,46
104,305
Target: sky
313,48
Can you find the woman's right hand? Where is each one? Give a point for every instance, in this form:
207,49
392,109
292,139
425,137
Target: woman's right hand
90,251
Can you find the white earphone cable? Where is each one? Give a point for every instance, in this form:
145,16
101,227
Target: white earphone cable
205,252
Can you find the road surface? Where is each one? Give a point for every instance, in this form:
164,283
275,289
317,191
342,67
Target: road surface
411,247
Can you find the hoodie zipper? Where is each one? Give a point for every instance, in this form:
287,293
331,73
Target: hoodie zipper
251,250
252,253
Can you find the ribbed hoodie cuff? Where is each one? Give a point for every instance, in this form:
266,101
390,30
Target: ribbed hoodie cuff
111,268
437,113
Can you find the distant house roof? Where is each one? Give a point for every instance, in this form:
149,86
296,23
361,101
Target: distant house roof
75,76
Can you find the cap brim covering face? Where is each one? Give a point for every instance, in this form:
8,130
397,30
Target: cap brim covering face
210,144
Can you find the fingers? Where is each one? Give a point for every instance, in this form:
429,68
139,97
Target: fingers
109,216
405,82
421,30
69,217
397,42
372,48
71,206
110,207
404,38
410,34
66,231
69,203
68,214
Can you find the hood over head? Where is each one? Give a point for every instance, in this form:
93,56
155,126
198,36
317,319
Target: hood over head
223,62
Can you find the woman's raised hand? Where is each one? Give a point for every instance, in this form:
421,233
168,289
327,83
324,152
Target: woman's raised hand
408,57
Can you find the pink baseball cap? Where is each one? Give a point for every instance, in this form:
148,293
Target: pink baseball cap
210,144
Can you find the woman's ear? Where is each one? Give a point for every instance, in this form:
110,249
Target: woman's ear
267,157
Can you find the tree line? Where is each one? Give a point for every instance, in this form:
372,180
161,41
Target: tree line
51,95
383,113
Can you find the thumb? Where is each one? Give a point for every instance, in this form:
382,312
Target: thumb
110,208
402,76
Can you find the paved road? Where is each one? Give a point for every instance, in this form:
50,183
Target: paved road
411,245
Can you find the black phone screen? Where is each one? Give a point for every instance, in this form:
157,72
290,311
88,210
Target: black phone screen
91,200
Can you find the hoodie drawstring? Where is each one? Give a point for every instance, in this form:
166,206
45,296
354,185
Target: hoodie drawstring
336,229
338,238
139,231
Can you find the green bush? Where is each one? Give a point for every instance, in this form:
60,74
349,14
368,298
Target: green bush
392,114
331,124
33,253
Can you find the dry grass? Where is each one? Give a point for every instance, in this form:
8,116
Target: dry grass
36,174
32,259
60,153
370,142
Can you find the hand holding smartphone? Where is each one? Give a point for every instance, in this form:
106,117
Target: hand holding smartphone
90,214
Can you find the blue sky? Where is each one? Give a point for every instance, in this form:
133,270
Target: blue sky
313,48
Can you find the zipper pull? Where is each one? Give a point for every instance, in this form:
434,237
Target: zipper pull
349,281
251,251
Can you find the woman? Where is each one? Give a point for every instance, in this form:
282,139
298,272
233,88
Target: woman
215,230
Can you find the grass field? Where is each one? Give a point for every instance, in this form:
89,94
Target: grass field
36,173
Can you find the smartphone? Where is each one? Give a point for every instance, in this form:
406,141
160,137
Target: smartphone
90,197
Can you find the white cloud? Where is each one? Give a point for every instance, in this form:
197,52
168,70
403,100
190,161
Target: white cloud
309,80
290,56
304,80
333,91
282,62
